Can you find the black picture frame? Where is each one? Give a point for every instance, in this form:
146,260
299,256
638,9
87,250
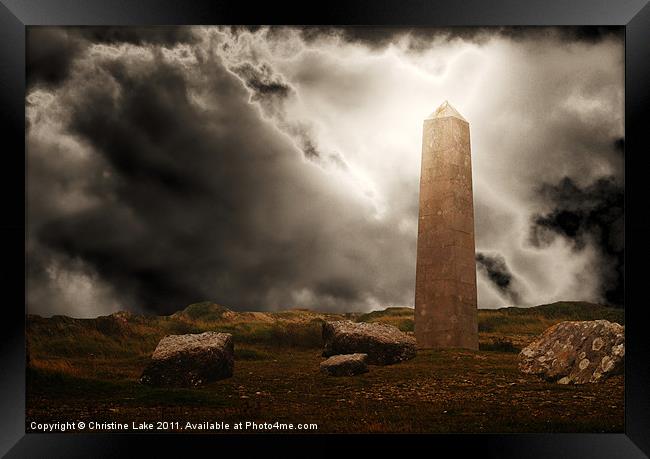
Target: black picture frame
15,15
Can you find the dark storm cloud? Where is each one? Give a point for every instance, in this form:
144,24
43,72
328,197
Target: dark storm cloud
262,81
619,145
591,34
50,51
496,270
49,54
271,92
160,149
338,289
199,205
421,37
594,213
154,35
576,34
267,89
142,135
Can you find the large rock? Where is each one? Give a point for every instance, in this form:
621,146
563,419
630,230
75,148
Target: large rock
576,352
384,344
345,365
190,360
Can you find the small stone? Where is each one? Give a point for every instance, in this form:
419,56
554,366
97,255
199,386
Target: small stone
384,344
345,365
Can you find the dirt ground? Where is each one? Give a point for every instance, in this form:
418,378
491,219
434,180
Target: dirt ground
438,391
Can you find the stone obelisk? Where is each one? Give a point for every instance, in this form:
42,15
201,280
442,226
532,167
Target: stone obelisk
446,313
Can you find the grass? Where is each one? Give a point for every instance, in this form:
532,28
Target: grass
88,369
513,320
205,311
303,335
249,353
401,318
438,391
528,321
499,345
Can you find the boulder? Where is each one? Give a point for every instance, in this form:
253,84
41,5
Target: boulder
345,365
384,344
576,352
190,360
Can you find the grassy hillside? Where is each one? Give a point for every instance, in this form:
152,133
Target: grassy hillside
512,320
539,318
59,342
401,318
126,335
88,369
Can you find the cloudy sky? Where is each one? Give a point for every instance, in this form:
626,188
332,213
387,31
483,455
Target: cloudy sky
269,168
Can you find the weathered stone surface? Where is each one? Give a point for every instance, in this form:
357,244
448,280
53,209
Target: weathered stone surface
446,314
384,344
345,365
190,360
576,352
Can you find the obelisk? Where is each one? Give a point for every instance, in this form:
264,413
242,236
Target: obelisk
445,284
